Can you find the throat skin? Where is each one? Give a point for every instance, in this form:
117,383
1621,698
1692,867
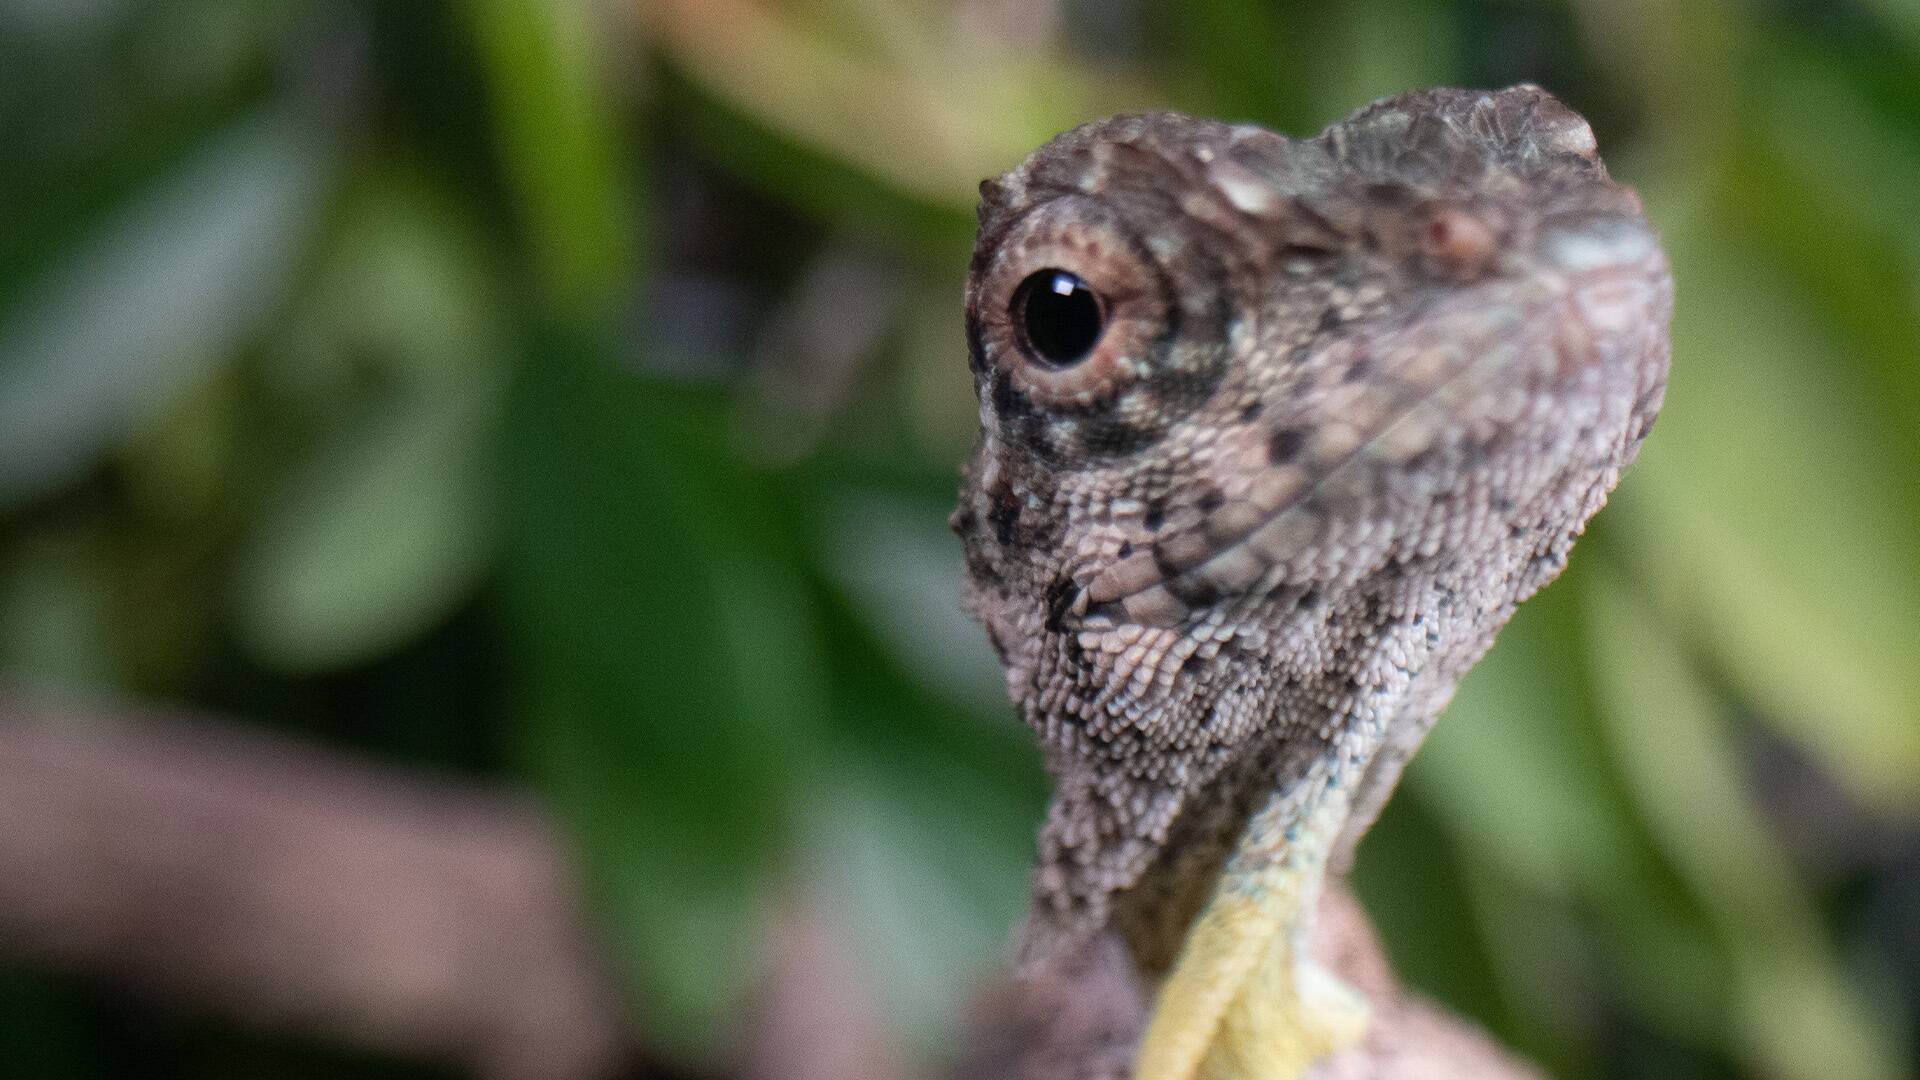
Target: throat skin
1349,401
1336,740
1244,998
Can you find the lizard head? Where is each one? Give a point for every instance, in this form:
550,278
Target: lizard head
1275,433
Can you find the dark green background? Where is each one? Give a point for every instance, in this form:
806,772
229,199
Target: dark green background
571,395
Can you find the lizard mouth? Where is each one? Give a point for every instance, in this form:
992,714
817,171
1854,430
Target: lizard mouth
1499,370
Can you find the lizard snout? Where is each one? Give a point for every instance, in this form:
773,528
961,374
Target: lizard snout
1600,244
1618,288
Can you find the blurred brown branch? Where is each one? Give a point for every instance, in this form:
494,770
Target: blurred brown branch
218,870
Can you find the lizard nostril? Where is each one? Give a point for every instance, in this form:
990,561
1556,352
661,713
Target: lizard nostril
1459,241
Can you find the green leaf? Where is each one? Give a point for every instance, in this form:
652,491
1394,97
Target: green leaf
925,862
388,523
560,144
1776,513
947,109
813,180
56,616
1411,873
382,533
1518,771
901,565
671,665
1521,716
1797,1011
155,302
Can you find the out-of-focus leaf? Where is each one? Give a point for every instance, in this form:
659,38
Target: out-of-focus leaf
176,468
1834,223
1902,15
377,538
1300,66
902,566
671,667
926,863
1542,956
1371,50
410,279
922,832
1410,873
813,180
54,617
560,142
1240,60
1775,516
1798,1013
55,20
964,110
389,523
936,386
1682,62
1517,769
200,47
1812,120
1521,716
154,302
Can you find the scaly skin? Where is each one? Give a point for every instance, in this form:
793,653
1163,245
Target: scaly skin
1347,402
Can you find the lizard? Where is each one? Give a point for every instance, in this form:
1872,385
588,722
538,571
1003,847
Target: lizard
1275,434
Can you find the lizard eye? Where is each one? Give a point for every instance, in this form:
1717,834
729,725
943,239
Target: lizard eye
1069,339
1079,331
1058,318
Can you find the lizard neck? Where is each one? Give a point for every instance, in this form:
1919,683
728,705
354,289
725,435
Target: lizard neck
1348,691
1147,884
1254,813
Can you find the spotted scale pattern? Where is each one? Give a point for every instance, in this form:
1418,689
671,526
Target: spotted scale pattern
1353,400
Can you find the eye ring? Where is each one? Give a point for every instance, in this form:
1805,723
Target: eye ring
1082,347
1057,317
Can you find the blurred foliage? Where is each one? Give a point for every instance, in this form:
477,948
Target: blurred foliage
571,393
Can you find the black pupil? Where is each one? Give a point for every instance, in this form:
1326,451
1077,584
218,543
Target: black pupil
1059,317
